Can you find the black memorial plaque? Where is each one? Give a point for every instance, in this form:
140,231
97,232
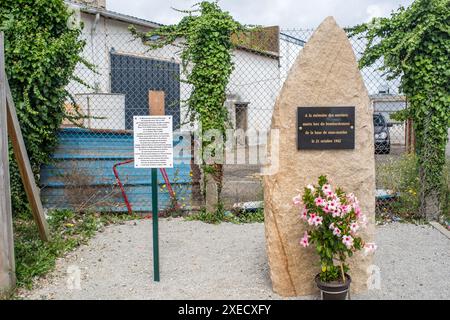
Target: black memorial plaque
325,128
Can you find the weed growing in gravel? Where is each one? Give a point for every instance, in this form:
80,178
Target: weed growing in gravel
237,217
248,216
203,215
405,187
35,258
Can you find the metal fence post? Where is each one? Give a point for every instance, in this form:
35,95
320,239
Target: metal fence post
155,224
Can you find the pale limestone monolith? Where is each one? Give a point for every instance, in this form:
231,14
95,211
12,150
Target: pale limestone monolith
325,74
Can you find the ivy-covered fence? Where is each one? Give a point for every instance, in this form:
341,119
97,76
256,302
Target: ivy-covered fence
42,50
125,73
414,45
108,96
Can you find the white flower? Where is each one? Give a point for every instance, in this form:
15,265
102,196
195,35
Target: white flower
311,188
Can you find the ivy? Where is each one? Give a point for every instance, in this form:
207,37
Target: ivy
205,36
41,52
414,44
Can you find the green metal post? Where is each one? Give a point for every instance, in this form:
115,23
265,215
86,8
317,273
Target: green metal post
155,224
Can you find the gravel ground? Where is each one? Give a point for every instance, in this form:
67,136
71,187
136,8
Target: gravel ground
201,261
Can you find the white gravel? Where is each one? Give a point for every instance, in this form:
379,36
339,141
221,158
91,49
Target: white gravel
201,261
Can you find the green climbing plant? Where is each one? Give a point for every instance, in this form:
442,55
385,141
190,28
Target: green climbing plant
414,45
205,35
42,48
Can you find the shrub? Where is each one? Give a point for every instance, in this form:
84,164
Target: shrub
41,52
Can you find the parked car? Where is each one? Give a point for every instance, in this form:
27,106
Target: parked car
382,135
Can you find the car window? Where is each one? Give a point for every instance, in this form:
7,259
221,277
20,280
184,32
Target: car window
378,120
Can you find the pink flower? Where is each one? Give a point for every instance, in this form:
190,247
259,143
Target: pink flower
357,210
304,214
348,241
305,240
331,226
336,213
337,232
319,201
354,227
318,221
346,209
326,188
312,219
297,200
332,204
351,197
370,248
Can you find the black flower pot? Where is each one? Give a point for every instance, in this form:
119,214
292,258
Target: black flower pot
336,290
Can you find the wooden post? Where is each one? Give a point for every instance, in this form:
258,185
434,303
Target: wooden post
7,264
20,152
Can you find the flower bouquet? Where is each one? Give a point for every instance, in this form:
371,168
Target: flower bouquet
334,220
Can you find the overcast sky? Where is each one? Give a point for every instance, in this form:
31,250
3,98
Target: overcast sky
285,13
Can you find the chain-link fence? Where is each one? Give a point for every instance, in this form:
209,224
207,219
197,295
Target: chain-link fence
93,167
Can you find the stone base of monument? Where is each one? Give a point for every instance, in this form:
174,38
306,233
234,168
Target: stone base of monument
334,290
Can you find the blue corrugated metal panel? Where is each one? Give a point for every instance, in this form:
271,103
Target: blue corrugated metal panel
83,173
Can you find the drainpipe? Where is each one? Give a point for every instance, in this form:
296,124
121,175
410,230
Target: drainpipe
93,30
94,26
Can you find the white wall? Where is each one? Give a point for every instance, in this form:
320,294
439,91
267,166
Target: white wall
256,78
105,111
289,52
